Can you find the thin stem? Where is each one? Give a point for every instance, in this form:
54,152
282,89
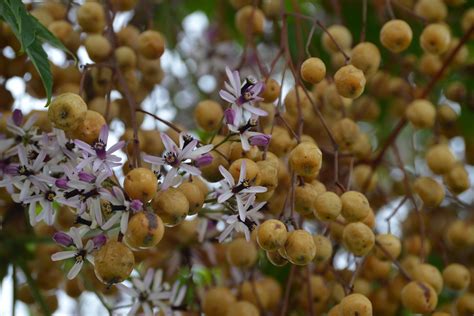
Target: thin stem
395,261
34,289
289,282
14,290
388,5
364,21
123,83
310,291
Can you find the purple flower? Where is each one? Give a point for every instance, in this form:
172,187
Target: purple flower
80,254
242,190
97,156
99,241
61,183
235,222
25,134
179,157
242,95
25,176
87,194
260,140
63,239
248,137
229,115
17,117
204,160
121,208
148,292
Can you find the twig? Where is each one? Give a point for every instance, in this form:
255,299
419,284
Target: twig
286,299
364,21
310,291
34,289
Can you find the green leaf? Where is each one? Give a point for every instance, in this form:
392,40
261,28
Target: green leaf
32,35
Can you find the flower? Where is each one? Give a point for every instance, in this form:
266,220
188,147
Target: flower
97,155
120,208
147,292
87,188
235,222
180,157
242,191
81,253
242,96
45,198
247,137
23,175
26,134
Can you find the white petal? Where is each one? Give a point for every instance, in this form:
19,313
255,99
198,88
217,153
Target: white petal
76,268
62,255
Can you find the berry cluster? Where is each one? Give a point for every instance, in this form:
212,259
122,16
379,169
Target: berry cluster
332,185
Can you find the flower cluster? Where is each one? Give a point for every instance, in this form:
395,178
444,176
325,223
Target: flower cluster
242,116
47,172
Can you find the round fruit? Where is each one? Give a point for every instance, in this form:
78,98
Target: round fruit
151,44
350,81
98,47
242,253
346,133
141,184
355,206
171,205
421,114
145,230
208,115
430,275
271,91
396,35
456,277
306,159
366,57
341,35
91,17
305,195
217,301
431,10
113,262
355,305
429,190
323,248
194,195
365,179
271,235
457,179
419,297
67,111
251,169
358,238
276,258
299,247
465,304
89,128
390,244
255,293
435,38
125,57
250,19
440,159
327,206
313,70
